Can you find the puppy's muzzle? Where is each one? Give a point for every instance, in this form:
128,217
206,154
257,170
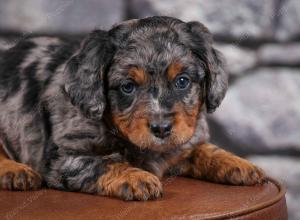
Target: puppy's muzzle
161,129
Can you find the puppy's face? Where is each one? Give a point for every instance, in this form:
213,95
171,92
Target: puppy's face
158,72
154,89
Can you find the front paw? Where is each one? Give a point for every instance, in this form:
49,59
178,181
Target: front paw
244,173
129,183
217,165
17,176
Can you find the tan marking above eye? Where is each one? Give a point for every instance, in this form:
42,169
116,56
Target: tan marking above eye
174,69
137,74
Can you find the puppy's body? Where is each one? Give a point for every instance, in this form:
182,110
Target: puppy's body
37,117
113,114
30,76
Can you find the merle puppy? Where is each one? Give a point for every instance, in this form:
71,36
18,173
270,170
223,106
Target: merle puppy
113,114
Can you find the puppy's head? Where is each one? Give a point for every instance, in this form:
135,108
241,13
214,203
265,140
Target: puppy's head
158,72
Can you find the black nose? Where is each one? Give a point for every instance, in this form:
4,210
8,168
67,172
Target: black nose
161,130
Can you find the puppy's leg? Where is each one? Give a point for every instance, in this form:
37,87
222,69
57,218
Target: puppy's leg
17,176
108,175
215,164
209,162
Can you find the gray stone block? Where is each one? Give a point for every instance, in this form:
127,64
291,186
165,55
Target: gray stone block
238,59
260,113
231,19
283,55
59,16
289,20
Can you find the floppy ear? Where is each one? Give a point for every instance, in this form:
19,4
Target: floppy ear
84,74
216,78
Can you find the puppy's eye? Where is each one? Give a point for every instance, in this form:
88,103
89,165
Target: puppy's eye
128,88
182,82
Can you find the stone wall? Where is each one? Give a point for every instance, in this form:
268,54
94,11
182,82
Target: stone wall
260,39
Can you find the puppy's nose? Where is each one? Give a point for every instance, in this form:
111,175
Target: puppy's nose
161,130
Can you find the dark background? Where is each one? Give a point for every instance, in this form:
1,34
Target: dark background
260,116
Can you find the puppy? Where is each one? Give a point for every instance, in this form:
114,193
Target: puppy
113,114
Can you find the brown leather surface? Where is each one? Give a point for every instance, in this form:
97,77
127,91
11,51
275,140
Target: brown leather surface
273,212
183,199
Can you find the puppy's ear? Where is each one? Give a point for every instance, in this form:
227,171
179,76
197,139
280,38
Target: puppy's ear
84,74
216,78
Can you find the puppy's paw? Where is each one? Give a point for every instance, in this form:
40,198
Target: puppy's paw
244,173
17,176
129,183
217,165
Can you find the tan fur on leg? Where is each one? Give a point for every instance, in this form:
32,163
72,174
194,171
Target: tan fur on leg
212,163
17,176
